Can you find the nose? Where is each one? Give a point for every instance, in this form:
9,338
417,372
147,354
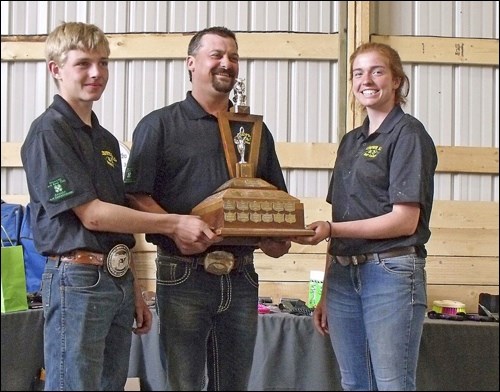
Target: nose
225,62
96,70
366,78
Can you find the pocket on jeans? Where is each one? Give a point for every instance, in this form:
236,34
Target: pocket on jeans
170,273
404,265
78,276
251,276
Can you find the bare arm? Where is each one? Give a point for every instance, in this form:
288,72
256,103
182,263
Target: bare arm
144,202
190,233
320,313
143,316
401,221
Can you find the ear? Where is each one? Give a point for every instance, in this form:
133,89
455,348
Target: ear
396,82
190,63
54,69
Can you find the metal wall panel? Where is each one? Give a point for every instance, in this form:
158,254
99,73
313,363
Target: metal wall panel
457,104
473,19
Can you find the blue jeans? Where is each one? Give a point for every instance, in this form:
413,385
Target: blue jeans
208,325
375,319
88,327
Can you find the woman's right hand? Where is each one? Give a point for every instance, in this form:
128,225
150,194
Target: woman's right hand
319,317
321,232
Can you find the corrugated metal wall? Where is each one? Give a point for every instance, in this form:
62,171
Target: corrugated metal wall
298,99
458,104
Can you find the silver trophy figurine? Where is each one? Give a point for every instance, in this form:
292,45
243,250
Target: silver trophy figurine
240,97
240,140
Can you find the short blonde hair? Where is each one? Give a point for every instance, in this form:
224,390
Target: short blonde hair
74,35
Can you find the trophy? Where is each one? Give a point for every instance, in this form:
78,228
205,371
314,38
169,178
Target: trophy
245,208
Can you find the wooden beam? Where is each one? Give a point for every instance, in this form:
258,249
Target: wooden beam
450,270
321,156
291,46
443,50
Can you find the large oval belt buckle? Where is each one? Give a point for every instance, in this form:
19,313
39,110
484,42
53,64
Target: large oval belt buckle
219,262
118,260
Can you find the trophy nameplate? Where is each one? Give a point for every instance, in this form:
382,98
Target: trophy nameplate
245,208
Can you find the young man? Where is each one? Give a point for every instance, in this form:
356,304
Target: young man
81,223
207,321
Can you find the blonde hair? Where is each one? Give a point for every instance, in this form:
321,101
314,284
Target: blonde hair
395,65
74,35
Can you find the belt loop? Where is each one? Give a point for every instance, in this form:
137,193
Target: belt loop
376,257
196,262
56,259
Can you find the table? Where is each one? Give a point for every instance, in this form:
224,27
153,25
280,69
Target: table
289,355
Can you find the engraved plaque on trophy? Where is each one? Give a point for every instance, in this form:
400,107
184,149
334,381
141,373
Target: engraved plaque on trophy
245,208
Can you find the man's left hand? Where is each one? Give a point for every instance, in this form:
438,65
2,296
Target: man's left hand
275,247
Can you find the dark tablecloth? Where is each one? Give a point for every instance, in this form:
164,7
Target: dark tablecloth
289,355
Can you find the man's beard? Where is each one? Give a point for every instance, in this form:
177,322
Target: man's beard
223,87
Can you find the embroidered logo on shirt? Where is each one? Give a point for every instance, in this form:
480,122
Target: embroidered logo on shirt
130,175
372,151
110,158
58,189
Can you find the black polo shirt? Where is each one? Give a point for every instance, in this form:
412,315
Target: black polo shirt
67,164
395,164
177,157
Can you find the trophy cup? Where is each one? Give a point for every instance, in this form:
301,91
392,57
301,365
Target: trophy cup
245,208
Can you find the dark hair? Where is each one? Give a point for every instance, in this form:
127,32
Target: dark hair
395,65
195,42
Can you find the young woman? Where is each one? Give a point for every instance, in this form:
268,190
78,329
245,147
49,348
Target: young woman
374,296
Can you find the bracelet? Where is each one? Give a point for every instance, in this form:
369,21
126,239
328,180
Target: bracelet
327,239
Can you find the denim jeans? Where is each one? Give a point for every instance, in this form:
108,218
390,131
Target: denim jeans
89,317
208,325
375,319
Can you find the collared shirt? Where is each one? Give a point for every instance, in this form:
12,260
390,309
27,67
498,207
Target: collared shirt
395,164
67,164
177,157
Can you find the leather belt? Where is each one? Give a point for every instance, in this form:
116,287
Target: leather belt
363,258
81,257
117,261
216,262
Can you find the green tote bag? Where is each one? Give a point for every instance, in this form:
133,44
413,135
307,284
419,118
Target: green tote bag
14,295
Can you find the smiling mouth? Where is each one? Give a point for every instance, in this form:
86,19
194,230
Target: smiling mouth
369,93
224,73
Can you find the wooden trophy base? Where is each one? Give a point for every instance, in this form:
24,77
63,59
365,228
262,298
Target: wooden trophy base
246,208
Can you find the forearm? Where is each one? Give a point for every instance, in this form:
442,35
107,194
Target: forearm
144,202
101,216
401,221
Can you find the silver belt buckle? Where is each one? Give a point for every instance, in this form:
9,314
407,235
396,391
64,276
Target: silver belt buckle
218,262
118,260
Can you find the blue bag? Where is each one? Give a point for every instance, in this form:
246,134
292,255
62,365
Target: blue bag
34,262
12,217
